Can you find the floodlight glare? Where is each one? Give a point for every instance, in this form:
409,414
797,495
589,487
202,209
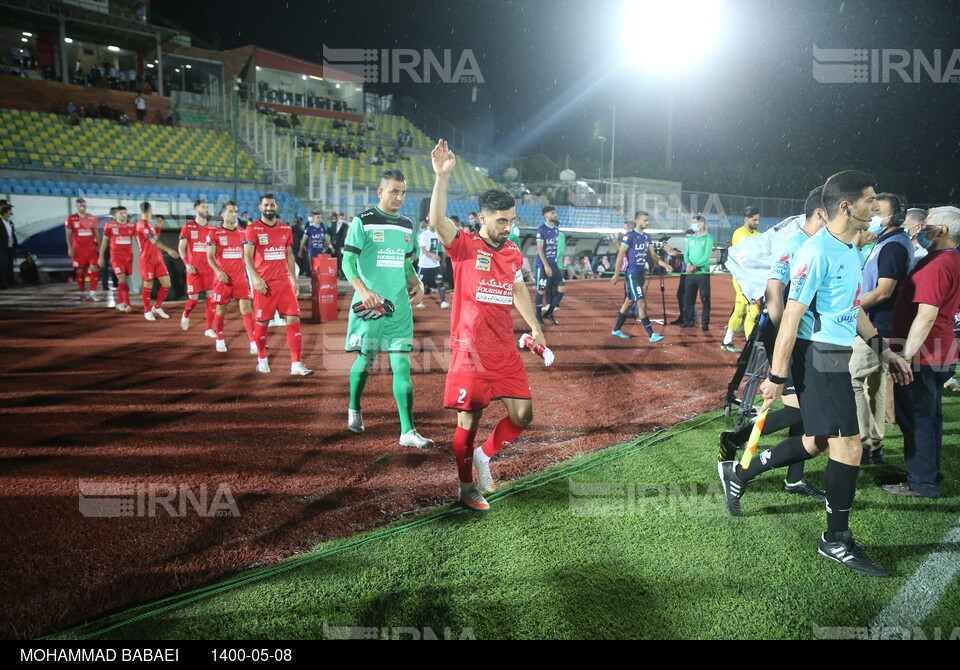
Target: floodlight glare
668,36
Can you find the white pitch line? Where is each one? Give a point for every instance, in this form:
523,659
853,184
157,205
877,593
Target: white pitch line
920,595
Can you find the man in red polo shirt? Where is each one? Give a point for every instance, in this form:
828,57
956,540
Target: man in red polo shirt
193,251
268,257
923,319
83,238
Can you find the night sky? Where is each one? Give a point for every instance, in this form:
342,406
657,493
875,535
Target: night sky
553,70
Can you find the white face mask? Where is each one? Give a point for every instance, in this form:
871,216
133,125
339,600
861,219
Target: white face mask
876,225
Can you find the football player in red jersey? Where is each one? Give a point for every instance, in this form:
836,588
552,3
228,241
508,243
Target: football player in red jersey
225,259
120,233
151,264
83,238
485,364
193,251
268,257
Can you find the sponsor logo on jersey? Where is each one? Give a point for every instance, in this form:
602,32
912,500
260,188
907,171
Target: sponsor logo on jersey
490,290
377,236
856,298
390,258
483,263
406,239
223,241
263,238
802,272
194,234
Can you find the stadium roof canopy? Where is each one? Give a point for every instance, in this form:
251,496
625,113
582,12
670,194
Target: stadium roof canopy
87,24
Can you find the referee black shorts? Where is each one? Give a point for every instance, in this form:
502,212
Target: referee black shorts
821,374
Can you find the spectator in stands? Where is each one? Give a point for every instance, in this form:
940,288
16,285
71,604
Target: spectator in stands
141,106
105,112
131,80
124,120
29,272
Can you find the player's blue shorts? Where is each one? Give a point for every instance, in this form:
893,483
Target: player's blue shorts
543,281
633,285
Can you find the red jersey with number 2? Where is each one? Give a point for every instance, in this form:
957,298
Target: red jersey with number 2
482,315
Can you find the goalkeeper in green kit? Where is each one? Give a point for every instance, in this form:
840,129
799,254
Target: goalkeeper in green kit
377,262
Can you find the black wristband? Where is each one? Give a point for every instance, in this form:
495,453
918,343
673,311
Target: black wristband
776,380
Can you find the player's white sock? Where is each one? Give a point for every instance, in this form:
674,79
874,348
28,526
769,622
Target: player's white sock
478,455
728,338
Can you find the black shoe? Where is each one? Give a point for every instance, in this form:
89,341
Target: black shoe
874,457
541,322
704,328
845,551
732,486
728,450
677,322
802,488
687,324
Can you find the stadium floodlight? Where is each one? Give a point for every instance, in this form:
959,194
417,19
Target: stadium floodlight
189,66
24,39
668,36
149,64
26,34
113,48
68,40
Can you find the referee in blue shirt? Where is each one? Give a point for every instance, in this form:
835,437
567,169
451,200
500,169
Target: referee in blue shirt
820,321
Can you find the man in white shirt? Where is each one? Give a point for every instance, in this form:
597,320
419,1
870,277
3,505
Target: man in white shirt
430,272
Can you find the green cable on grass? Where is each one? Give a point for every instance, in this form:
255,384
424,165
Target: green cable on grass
172,602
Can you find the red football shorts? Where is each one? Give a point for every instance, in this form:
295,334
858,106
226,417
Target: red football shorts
238,289
122,266
200,282
475,379
84,258
277,300
150,270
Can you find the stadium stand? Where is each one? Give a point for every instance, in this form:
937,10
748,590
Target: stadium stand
32,140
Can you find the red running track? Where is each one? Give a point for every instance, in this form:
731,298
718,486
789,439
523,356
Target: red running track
98,397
